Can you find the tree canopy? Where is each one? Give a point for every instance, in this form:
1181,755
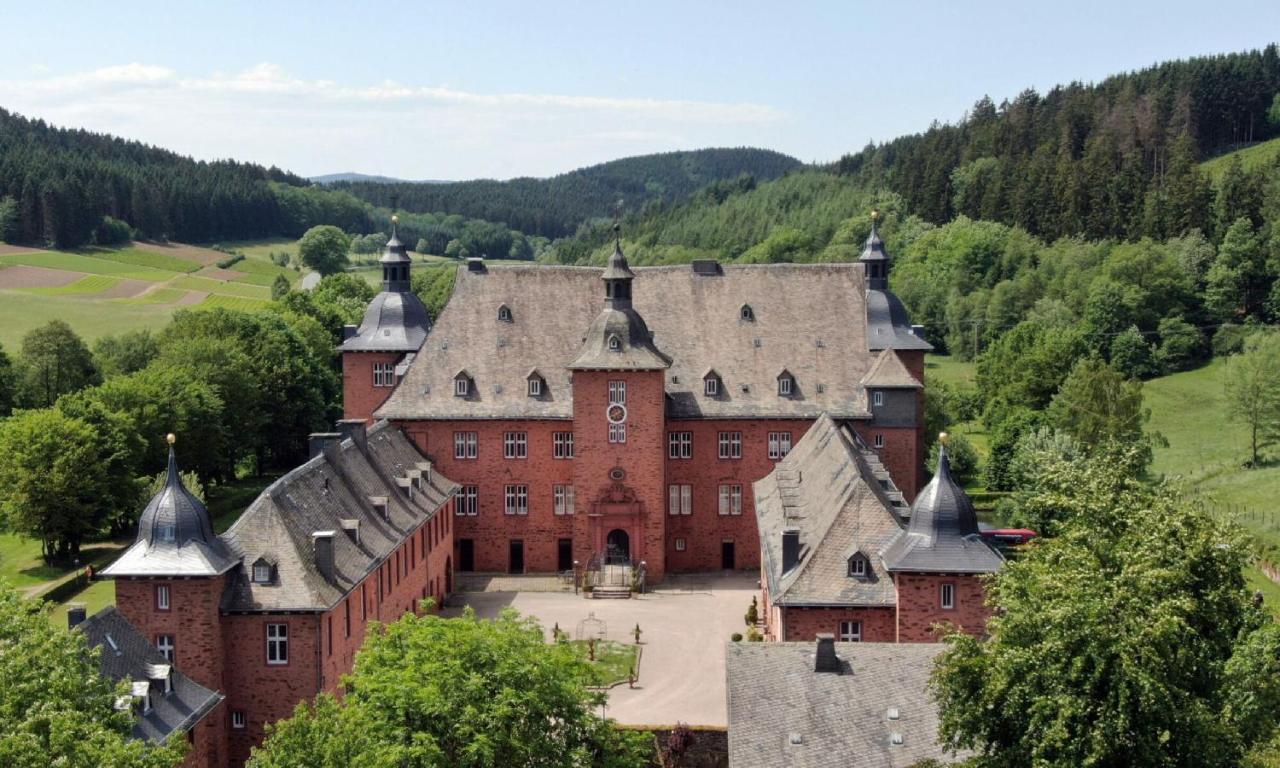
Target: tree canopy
324,249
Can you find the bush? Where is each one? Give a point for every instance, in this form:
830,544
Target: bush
962,457
754,636
280,258
736,637
231,261
112,231
753,613
1181,344
1229,339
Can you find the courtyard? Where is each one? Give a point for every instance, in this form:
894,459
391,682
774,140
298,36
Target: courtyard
685,624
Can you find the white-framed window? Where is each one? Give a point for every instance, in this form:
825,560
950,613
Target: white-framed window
730,445
746,313
563,495
466,445
679,445
517,500
779,444
786,385
515,445
164,644
162,597
237,718
850,631
680,545
461,386
947,596
878,440
504,313
535,387
877,398
277,643
384,374
680,499
615,344
617,393
261,573
858,566
468,502
562,445
618,433
711,386
168,532
731,499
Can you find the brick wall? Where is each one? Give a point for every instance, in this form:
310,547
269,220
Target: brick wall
359,397
266,692
706,529
920,607
208,740
492,530
192,620
805,623
902,454
641,457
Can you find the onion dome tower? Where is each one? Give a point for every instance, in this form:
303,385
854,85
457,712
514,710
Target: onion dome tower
874,260
942,536
396,320
175,535
888,324
618,338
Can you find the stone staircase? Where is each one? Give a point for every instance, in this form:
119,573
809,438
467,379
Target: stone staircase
612,582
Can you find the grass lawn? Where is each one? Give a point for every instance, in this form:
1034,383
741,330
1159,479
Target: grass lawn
1250,157
262,249
947,369
220,301
158,296
21,565
98,595
194,283
141,258
91,318
614,660
77,262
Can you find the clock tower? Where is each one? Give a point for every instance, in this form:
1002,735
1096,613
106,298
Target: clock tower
619,424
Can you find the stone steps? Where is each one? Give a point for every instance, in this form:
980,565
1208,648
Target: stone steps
611,593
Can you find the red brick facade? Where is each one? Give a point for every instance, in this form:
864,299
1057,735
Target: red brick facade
360,396
920,605
228,653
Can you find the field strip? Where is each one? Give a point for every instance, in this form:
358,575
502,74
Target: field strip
75,262
23,276
89,285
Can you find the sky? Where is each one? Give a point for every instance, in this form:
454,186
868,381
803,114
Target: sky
496,89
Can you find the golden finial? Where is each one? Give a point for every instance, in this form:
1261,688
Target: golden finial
395,218
171,438
944,438
875,215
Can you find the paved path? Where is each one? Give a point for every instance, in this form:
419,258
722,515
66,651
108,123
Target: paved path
685,626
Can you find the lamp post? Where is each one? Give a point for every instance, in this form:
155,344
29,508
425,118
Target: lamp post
575,577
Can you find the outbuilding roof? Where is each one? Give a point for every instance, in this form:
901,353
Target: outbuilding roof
126,653
889,372
810,319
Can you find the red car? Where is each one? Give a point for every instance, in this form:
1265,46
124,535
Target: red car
1005,538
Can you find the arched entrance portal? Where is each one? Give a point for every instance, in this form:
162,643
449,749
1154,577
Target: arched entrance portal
618,547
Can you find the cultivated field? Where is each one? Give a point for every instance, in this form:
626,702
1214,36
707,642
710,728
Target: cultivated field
103,291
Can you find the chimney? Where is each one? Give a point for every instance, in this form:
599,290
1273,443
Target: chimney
75,615
826,660
918,330
790,548
323,543
320,439
348,331
355,430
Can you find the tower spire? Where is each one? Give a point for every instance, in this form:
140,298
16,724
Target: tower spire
874,259
395,262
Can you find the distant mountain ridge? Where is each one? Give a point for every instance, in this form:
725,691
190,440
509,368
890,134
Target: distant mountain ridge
557,206
333,178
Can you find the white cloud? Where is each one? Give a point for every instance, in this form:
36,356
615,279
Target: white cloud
267,115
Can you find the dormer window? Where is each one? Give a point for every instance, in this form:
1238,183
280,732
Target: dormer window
615,344
168,532
747,313
711,384
504,313
263,572
786,384
462,384
536,384
859,567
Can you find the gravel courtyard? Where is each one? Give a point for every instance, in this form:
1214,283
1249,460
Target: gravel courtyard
685,623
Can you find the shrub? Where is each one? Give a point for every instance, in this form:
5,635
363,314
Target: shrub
736,637
962,457
754,635
113,231
231,261
1229,339
753,613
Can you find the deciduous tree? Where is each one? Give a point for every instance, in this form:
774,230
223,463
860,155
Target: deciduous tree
324,249
1253,391
53,362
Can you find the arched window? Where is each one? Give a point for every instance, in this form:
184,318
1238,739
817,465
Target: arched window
747,313
859,566
504,313
615,344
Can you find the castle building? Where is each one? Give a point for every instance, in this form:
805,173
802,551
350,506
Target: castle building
622,416
844,557
272,611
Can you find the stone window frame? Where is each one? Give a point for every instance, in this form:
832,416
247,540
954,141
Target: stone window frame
729,445
877,440
238,720
562,445
277,645
779,445
947,596
850,631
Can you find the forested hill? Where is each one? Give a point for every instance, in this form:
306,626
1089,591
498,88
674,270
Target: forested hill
1114,159
555,207
58,184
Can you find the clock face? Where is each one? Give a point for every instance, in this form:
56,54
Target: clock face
616,413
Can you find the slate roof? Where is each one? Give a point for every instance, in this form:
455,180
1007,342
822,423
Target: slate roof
809,319
943,534
335,487
888,325
840,719
635,351
175,536
826,489
129,655
889,372
393,322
